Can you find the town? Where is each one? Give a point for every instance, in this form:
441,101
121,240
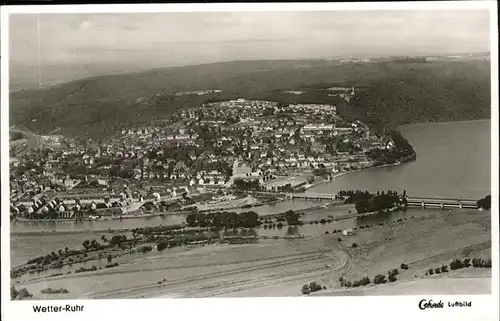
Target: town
220,155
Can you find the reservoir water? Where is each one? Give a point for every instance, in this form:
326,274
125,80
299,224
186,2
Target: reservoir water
453,160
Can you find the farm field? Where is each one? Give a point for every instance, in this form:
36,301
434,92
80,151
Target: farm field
281,267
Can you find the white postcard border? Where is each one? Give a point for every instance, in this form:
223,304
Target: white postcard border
485,307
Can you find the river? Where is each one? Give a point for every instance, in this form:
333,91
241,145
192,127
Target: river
453,160
70,226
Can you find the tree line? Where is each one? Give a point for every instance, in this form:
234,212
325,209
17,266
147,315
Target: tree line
224,220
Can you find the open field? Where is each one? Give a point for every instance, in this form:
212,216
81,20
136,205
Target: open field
205,271
281,267
292,180
420,242
475,282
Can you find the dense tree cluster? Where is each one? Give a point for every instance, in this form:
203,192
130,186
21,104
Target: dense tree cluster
402,151
352,196
379,279
285,189
362,282
118,239
311,287
54,291
320,171
83,269
247,185
181,240
378,203
484,203
91,245
13,135
365,202
478,262
392,275
224,219
292,218
457,264
19,294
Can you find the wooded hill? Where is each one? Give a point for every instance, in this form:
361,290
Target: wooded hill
392,93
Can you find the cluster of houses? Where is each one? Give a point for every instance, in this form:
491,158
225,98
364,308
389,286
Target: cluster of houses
52,140
199,92
311,109
66,206
201,178
240,131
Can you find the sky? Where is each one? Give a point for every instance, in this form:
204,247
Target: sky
170,39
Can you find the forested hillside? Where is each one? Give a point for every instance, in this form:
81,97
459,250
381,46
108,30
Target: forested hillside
393,93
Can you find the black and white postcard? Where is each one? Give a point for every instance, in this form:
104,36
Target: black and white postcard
341,156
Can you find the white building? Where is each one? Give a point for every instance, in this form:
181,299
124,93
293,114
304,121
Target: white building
348,232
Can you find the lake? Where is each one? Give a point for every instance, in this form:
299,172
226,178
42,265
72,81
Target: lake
453,160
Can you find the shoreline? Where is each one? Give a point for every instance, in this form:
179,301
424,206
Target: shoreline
120,230
128,229
446,122
326,181
148,215
145,216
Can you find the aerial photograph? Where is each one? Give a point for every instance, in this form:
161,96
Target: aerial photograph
249,154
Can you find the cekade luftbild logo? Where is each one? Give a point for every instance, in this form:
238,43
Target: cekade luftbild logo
429,304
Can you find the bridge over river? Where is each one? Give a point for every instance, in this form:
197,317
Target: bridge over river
412,201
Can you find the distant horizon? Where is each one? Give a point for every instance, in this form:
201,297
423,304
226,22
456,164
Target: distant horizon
146,69
332,57
72,46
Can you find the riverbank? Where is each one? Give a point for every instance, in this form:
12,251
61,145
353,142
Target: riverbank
128,229
152,214
312,210
325,181
314,184
281,267
66,259
270,228
102,218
